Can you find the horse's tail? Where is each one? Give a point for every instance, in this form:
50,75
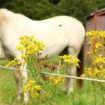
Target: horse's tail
80,69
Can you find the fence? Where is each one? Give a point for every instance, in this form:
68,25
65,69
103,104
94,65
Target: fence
92,93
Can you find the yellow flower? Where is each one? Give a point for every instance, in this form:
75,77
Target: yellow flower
38,87
33,88
29,47
96,71
70,59
98,44
83,75
99,59
90,73
56,80
14,63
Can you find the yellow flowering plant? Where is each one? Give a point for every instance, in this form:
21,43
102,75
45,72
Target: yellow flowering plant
30,49
96,52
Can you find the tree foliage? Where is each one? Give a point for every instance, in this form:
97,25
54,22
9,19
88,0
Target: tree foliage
41,9
35,9
78,8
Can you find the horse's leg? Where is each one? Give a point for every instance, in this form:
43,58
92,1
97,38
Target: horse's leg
17,76
71,70
24,79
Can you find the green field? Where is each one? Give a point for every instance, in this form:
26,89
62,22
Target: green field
91,94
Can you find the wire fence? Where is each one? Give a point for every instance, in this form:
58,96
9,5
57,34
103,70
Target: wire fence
60,75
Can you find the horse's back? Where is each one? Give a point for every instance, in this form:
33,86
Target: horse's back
71,28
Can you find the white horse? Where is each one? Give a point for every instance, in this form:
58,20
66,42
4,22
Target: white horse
57,33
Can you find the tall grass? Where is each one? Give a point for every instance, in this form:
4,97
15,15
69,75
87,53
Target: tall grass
91,94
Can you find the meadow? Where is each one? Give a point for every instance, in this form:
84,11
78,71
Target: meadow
91,94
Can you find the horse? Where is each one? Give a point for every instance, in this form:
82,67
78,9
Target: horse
58,33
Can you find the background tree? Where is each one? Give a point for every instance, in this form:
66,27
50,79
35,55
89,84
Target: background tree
77,8
100,4
42,9
35,9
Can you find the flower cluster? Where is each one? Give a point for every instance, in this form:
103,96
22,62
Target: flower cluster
33,88
70,59
99,34
99,59
56,80
96,52
92,72
29,46
14,63
96,40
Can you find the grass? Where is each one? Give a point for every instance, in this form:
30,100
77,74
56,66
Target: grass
7,86
91,94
